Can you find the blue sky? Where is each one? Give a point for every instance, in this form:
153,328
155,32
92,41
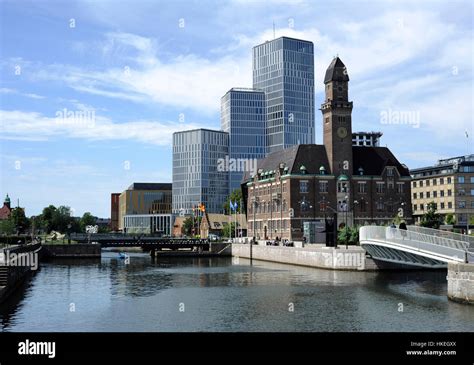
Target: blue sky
142,70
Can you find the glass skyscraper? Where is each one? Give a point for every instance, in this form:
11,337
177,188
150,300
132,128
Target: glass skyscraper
284,69
243,116
196,176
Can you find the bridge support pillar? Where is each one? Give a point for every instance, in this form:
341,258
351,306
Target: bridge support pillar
461,282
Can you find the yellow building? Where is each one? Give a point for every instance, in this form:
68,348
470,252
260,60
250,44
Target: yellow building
450,185
144,199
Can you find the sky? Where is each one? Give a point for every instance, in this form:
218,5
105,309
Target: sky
92,91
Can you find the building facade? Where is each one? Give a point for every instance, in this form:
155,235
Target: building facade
371,139
157,224
284,69
114,211
297,188
199,176
144,198
450,185
6,210
243,116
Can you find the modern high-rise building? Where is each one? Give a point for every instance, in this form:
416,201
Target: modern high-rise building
199,175
284,69
243,116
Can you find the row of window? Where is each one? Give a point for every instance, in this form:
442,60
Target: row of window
460,180
442,205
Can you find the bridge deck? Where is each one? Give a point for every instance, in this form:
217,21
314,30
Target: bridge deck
413,247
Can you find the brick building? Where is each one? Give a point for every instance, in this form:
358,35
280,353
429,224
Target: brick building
296,188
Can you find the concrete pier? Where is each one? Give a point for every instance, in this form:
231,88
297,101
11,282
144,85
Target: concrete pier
75,250
461,282
319,256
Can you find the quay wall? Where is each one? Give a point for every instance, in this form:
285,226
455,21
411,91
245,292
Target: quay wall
75,250
340,258
461,282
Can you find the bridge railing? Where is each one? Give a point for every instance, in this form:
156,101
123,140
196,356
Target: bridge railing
435,245
443,234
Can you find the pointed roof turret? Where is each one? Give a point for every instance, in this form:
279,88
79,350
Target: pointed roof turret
336,71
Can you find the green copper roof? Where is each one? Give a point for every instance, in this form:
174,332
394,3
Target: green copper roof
342,178
7,199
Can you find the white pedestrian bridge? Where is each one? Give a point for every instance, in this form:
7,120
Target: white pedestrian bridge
416,246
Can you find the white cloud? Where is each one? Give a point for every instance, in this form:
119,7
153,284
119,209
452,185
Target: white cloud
5,90
33,126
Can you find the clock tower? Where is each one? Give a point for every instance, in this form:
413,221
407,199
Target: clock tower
337,123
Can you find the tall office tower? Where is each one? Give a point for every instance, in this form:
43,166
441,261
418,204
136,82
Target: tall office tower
243,116
197,178
284,69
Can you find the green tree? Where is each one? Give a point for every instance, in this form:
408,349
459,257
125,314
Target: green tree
450,219
235,196
46,218
87,220
229,230
7,226
431,219
187,227
18,218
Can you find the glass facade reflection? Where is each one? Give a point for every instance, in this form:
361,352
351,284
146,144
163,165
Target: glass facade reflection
243,116
196,178
284,69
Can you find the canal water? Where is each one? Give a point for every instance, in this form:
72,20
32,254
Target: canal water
227,294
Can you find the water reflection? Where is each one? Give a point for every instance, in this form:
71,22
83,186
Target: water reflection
221,294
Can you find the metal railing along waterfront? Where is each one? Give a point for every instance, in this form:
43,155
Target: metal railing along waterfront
443,234
446,249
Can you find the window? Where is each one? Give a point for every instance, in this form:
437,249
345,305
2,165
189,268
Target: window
414,195
323,186
414,184
421,195
380,188
303,186
428,195
362,187
415,207
400,188
472,192
462,204
449,180
441,193
390,171
379,206
461,179
441,181
435,194
442,205
450,192
435,182
421,183
450,205
427,183
472,179
422,207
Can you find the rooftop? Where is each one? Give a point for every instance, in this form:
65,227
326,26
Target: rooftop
150,186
